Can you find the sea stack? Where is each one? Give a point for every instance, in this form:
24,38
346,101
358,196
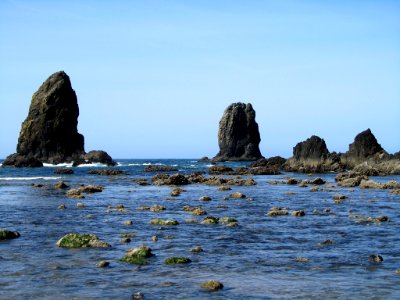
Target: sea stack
49,134
238,135
364,146
312,156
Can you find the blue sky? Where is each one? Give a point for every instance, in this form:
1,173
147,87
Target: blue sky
154,77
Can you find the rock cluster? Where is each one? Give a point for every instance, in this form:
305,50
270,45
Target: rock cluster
49,134
238,135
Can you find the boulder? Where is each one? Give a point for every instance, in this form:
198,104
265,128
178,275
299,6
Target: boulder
8,235
74,240
99,156
238,135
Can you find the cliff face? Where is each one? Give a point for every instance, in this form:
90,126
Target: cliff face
238,135
49,134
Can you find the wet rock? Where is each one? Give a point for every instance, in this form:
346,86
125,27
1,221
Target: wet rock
177,179
301,259
176,192
128,222
238,135
275,213
60,185
224,188
292,181
212,285
327,243
157,208
99,156
210,220
339,197
205,198
106,172
37,185
74,193
138,296
220,170
74,240
8,235
177,260
237,195
157,168
298,213
90,189
62,206
80,205
164,222
204,159
21,161
154,238
103,264
275,162
199,212
63,171
197,249
49,133
125,240
382,219
138,255
375,258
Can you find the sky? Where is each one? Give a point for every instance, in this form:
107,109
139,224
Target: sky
153,78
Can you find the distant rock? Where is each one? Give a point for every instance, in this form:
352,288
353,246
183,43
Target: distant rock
157,168
238,135
364,145
272,162
312,156
49,133
204,159
99,156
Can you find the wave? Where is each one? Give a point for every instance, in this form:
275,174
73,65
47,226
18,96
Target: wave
93,165
65,165
31,178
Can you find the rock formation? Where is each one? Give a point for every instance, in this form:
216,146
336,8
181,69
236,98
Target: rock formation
238,135
312,156
364,146
49,134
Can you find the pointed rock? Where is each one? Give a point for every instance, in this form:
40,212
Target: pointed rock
238,135
364,145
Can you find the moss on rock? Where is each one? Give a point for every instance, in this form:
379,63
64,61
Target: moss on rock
8,235
177,260
164,222
74,240
138,255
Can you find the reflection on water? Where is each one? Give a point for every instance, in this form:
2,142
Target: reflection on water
255,260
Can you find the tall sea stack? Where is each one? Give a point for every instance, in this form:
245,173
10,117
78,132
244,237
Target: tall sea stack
49,134
238,135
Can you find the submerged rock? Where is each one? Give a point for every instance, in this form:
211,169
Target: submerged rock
238,135
8,235
212,285
74,240
177,260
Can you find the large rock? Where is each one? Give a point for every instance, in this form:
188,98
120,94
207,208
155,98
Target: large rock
49,133
99,156
364,146
312,156
238,135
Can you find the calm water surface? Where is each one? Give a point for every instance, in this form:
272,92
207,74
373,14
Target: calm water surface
255,260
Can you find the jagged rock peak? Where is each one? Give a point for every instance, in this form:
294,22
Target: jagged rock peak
238,135
312,148
364,145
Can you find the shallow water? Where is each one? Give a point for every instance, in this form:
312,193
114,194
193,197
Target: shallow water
254,260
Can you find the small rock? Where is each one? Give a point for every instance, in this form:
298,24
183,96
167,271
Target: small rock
138,296
212,285
224,188
8,235
292,181
164,222
276,213
339,197
177,260
62,206
74,240
125,240
154,238
375,258
63,171
205,198
80,205
197,249
128,222
327,242
382,219
301,259
237,195
60,185
210,220
137,255
298,213
103,264
199,212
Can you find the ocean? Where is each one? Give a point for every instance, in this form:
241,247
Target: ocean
321,255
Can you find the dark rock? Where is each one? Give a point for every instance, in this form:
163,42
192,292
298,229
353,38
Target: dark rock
8,235
99,156
106,172
238,135
276,162
204,159
375,258
63,171
177,179
60,185
155,168
20,161
212,285
219,170
49,133
312,148
364,145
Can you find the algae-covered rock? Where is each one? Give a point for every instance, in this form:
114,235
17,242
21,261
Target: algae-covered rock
8,235
237,195
212,285
177,260
137,255
164,222
227,220
74,240
275,213
210,220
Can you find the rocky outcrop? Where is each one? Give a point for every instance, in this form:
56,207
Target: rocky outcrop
238,135
49,133
275,162
365,145
312,156
99,156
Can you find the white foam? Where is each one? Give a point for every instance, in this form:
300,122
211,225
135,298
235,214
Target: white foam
67,165
31,178
94,165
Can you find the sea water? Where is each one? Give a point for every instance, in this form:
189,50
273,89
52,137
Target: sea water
255,260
